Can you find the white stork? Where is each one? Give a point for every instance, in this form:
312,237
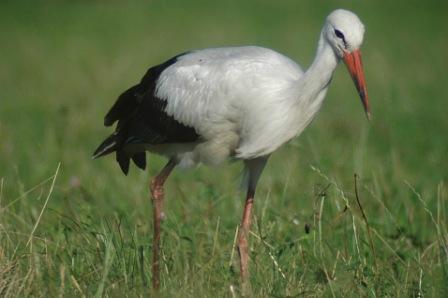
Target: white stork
206,106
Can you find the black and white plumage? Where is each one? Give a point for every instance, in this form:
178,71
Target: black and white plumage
142,120
242,102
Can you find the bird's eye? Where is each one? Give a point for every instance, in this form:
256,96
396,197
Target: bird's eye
338,34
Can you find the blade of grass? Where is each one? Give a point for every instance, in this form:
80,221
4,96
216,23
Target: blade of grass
108,260
369,234
45,205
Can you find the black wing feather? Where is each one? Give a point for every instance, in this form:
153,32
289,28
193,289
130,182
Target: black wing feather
123,160
140,160
124,105
142,119
132,97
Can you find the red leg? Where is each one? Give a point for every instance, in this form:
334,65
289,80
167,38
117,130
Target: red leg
243,244
254,167
157,194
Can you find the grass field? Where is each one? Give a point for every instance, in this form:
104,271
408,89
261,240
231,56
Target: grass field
84,229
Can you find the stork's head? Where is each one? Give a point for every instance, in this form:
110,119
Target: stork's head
344,32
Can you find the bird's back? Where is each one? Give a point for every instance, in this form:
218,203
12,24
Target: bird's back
213,82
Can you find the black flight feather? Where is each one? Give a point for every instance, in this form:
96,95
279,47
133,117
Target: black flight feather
106,147
123,160
142,119
140,160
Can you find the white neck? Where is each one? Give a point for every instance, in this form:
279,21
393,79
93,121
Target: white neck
318,76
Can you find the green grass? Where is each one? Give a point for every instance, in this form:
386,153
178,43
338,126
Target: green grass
63,63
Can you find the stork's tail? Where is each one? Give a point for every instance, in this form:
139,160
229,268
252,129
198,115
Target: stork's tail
111,144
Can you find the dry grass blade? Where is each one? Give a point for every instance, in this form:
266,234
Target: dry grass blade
25,193
44,206
233,247
369,234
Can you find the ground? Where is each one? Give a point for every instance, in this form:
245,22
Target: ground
72,226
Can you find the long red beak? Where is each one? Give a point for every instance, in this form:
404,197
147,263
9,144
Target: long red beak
354,65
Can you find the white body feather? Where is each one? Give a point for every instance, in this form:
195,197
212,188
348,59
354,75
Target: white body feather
244,102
